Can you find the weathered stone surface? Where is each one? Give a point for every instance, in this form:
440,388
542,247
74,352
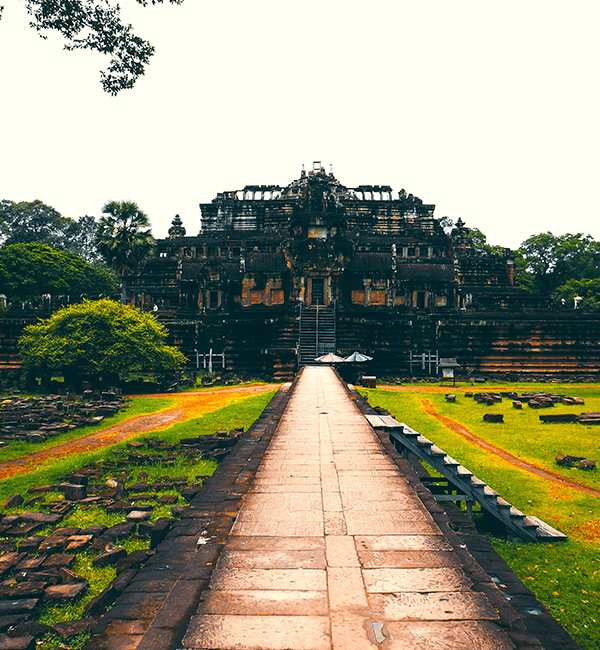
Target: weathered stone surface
26,642
72,628
27,628
41,517
70,576
73,492
14,500
30,589
77,542
31,563
58,561
138,515
493,417
18,606
65,593
94,531
110,557
11,620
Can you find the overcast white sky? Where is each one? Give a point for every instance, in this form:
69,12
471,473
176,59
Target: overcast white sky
489,109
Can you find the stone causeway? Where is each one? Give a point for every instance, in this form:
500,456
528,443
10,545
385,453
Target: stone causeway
315,534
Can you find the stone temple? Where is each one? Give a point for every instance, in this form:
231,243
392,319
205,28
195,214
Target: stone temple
277,276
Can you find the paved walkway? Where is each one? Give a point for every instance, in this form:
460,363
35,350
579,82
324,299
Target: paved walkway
333,548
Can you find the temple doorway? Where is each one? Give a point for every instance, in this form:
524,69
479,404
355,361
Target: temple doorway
317,291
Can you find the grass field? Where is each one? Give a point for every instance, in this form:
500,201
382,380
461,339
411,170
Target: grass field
566,577
134,407
241,413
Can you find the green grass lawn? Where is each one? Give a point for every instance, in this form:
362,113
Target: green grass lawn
572,573
135,407
242,413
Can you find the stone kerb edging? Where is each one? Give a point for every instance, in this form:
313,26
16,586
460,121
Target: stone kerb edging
526,621
153,612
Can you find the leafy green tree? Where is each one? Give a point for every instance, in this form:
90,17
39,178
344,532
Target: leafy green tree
96,25
588,290
103,338
33,222
123,237
552,260
81,239
27,271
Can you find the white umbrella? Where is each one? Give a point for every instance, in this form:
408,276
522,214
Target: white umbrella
330,358
357,357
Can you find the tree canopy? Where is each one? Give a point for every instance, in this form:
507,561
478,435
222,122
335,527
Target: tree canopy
551,260
96,25
103,337
123,236
27,271
34,222
587,290
31,222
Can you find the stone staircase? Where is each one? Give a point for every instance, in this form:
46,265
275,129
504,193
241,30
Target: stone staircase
317,335
470,488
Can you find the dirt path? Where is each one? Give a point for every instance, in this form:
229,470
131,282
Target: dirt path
188,406
471,437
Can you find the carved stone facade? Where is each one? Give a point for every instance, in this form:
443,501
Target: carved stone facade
378,267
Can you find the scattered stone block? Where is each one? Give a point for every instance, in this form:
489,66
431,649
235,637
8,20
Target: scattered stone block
138,515
58,561
138,487
73,492
168,499
41,517
568,461
558,418
10,520
587,465
11,589
110,557
31,544
70,576
26,642
94,531
517,405
451,398
76,542
68,629
10,621
18,606
65,593
32,628
31,563
13,501
22,531
116,506
493,417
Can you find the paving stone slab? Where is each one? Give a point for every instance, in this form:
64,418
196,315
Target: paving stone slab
447,635
292,579
264,602
265,559
441,606
407,559
258,543
415,580
403,543
251,632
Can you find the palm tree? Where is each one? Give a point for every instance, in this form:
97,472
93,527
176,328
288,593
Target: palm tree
123,238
